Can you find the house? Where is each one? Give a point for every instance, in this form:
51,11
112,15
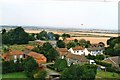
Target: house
75,59
62,52
40,42
96,50
115,61
79,50
40,58
13,55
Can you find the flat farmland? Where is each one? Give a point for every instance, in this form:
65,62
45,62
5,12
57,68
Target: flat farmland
94,40
93,37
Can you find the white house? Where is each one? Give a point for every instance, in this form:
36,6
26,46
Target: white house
79,50
95,51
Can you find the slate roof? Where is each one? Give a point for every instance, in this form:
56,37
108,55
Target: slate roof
81,58
78,48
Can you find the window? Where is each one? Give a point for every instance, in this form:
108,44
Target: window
15,61
21,56
24,55
15,56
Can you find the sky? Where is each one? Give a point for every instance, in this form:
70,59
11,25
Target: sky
90,14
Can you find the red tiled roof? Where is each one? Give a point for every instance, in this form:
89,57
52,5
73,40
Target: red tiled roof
14,52
62,51
10,53
40,58
29,47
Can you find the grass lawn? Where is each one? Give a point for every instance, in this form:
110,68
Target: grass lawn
22,46
103,74
14,75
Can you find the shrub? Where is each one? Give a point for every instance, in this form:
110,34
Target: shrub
108,65
10,66
41,74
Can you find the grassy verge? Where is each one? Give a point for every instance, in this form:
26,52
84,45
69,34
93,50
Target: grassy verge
14,75
103,74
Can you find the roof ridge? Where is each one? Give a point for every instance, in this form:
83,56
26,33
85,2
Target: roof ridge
112,61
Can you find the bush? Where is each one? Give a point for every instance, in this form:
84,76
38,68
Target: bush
111,69
108,65
77,72
100,57
60,64
10,66
41,75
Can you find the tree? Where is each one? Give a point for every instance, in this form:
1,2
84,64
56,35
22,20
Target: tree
5,48
60,64
65,36
100,57
77,72
84,43
47,46
50,36
41,75
109,51
29,66
90,57
60,44
114,46
70,45
31,37
56,36
3,31
75,40
42,35
15,36
52,54
117,49
49,52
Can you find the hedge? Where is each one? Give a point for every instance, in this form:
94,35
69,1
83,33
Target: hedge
108,65
10,66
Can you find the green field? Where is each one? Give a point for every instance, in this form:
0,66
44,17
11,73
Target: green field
14,75
103,74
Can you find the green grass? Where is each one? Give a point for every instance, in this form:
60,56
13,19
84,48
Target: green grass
17,47
22,46
103,74
14,75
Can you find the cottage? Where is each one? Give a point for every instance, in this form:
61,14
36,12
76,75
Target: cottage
95,50
13,55
79,50
40,58
40,42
